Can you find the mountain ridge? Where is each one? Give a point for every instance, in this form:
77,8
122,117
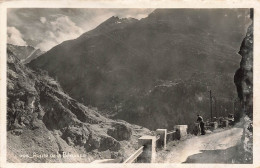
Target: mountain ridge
115,68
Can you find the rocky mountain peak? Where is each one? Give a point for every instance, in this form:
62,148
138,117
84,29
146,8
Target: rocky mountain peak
116,20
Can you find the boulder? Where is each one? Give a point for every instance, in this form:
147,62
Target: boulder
120,131
76,136
102,143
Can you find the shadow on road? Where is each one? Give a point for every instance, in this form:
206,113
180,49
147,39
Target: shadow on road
229,155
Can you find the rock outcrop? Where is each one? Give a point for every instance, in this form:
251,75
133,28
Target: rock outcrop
244,82
43,119
244,75
120,132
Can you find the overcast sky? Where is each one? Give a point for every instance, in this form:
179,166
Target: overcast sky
45,28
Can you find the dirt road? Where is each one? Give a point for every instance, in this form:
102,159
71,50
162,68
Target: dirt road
220,147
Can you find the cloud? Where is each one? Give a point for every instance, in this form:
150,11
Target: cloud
15,37
95,17
59,30
137,13
46,27
95,20
43,20
138,16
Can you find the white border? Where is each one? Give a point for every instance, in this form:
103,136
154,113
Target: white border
129,4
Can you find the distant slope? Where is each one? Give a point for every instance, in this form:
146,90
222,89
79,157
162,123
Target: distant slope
35,54
44,120
22,52
122,66
25,53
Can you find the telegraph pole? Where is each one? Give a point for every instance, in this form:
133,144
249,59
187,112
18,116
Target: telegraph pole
216,113
210,98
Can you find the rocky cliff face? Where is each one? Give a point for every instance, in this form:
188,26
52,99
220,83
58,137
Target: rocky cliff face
42,120
244,82
122,66
244,75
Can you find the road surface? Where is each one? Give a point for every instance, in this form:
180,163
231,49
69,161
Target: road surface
220,147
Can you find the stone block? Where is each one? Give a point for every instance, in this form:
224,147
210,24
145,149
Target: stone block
149,151
181,131
214,125
162,134
225,123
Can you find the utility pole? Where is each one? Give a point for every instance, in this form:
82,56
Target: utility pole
210,98
216,106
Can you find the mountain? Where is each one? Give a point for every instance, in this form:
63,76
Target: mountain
157,71
43,121
25,53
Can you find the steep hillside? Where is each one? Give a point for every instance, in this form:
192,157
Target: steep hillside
43,121
123,65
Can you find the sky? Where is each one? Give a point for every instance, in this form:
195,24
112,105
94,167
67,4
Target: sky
45,28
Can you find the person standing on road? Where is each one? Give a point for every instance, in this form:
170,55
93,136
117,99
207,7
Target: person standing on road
202,124
199,119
